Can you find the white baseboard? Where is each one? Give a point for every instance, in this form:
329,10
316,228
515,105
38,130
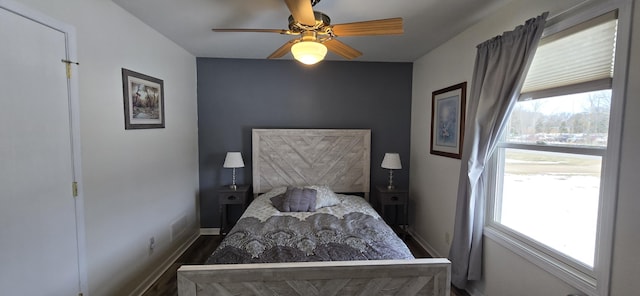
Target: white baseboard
209,231
157,273
425,245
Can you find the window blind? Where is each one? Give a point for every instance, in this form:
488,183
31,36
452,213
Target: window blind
581,56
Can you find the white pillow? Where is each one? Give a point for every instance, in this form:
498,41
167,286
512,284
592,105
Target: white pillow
325,197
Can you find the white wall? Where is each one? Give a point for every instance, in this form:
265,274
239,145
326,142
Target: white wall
137,183
434,179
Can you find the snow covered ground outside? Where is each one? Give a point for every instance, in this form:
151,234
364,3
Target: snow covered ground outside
559,210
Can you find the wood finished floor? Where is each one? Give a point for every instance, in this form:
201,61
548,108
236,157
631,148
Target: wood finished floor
200,250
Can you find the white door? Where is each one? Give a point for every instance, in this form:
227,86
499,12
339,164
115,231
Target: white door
39,249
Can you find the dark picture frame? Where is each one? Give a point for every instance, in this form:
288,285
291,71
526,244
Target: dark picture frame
143,100
447,120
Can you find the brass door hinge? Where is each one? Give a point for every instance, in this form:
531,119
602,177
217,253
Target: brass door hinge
67,64
74,187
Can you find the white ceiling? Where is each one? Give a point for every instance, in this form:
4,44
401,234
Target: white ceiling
427,24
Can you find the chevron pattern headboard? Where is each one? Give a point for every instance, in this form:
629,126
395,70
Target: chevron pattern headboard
337,158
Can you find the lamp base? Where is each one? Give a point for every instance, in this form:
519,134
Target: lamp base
233,183
391,186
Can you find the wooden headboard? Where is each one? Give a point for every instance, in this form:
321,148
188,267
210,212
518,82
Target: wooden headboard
338,158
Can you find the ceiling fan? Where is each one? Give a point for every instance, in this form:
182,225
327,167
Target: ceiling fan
317,34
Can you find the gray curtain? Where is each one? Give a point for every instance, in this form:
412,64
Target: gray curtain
499,72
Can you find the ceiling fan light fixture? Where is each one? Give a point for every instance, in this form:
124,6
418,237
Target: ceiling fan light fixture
309,52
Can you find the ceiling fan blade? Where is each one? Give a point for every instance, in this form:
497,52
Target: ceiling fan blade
375,27
342,49
284,49
279,31
302,11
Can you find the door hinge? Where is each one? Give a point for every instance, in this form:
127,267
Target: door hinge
67,64
74,187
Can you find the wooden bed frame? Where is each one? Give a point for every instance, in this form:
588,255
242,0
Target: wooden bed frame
339,159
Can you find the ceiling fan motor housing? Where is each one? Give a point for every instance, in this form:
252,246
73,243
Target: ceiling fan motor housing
322,23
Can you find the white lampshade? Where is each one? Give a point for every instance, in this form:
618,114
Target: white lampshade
309,52
391,161
233,160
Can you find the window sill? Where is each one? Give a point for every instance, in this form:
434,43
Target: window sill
585,283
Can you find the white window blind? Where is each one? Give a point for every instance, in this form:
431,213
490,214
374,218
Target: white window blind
581,55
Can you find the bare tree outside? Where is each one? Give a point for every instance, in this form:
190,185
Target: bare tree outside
581,119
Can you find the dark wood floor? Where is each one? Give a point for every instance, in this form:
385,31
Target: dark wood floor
200,250
197,253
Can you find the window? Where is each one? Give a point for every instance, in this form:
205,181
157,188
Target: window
553,174
550,163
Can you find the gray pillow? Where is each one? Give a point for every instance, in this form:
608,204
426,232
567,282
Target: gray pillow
295,200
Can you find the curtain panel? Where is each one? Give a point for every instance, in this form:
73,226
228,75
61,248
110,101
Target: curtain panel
500,68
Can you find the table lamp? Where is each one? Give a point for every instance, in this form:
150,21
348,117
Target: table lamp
233,161
391,161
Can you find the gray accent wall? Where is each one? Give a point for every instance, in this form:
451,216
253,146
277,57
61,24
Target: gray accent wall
237,95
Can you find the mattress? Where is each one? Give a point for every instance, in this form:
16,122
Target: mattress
349,230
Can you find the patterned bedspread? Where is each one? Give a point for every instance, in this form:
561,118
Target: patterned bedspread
351,230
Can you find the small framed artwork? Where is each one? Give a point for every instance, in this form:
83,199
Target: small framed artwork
143,100
447,120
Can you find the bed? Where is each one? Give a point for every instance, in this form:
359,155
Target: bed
339,246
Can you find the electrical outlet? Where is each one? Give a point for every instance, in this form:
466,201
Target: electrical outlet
152,244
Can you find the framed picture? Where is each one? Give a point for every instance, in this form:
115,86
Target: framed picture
447,120
143,100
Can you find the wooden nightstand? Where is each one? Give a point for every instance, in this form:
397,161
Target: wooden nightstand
228,196
397,198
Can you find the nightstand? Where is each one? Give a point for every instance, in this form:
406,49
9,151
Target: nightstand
228,196
397,198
